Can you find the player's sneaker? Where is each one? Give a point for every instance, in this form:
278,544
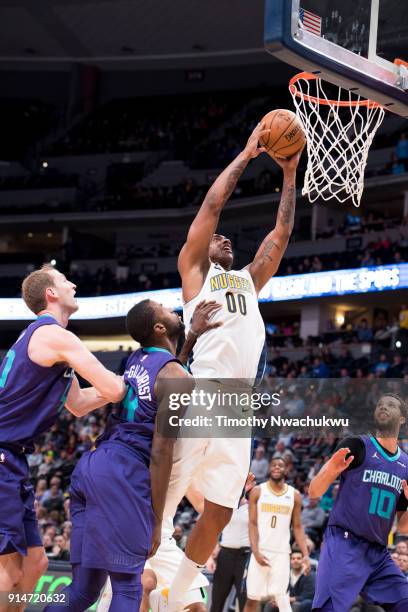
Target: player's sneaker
159,602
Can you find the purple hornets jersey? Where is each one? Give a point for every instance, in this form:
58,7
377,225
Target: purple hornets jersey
366,502
31,395
133,423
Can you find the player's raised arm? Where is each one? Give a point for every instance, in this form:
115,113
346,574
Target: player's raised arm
299,532
253,526
270,253
52,344
331,470
193,262
161,458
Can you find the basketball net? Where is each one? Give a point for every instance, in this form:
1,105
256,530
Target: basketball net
339,134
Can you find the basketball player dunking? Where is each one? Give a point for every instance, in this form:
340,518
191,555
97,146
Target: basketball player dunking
373,475
274,507
231,352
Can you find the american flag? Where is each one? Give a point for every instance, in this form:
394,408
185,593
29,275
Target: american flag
311,22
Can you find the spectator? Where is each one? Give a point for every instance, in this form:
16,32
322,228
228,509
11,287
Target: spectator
301,587
382,365
345,359
48,545
179,536
55,484
403,321
40,488
66,532
401,547
396,370
295,405
328,499
305,494
315,468
60,550
397,166
395,558
320,369
259,464
313,518
364,332
367,260
35,459
282,451
48,464
55,498
403,563
402,147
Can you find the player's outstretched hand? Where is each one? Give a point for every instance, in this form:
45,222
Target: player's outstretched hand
261,559
338,462
201,320
288,163
306,565
405,488
252,147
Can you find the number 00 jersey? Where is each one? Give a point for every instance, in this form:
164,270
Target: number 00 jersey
234,349
274,519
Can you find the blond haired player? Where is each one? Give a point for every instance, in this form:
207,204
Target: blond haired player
274,507
36,381
231,352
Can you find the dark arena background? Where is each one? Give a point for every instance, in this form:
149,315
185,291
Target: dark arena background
115,118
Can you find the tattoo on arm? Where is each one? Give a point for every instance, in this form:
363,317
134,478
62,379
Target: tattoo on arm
267,249
232,179
286,211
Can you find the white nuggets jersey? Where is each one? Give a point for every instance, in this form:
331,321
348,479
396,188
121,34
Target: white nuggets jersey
234,349
274,519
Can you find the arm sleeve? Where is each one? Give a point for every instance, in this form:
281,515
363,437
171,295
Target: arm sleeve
357,448
402,503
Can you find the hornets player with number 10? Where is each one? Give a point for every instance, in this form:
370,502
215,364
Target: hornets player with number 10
373,488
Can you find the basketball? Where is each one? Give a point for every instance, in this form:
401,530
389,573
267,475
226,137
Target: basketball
286,136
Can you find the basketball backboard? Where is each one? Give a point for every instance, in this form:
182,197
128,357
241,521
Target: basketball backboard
351,43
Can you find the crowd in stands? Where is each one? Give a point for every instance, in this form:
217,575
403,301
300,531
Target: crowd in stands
120,278
175,123
204,130
377,253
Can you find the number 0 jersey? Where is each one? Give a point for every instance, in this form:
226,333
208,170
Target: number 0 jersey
274,519
234,349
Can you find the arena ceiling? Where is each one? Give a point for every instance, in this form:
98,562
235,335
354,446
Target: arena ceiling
132,32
